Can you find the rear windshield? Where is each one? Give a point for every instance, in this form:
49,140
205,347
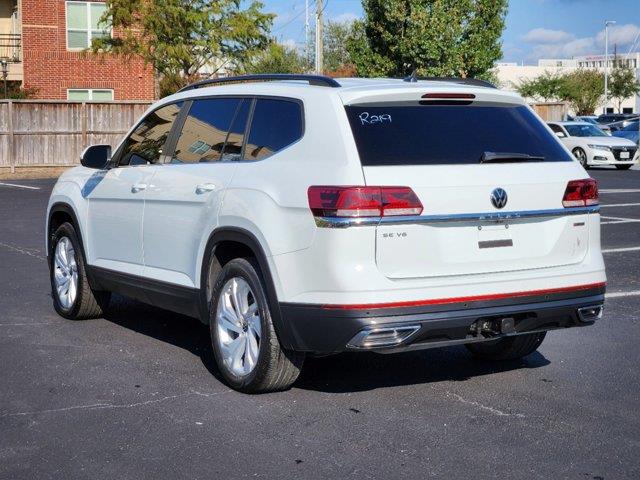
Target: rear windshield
448,134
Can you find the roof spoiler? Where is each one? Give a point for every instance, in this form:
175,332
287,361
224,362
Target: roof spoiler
476,82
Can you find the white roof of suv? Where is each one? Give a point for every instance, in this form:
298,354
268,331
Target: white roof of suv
351,90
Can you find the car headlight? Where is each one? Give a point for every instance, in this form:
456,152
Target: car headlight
600,147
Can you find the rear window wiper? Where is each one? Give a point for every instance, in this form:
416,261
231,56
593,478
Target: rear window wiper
507,157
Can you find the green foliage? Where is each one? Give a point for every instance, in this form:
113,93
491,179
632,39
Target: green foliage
622,83
276,58
180,37
436,37
15,91
545,87
336,54
583,89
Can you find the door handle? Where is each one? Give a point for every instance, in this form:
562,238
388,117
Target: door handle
138,187
204,188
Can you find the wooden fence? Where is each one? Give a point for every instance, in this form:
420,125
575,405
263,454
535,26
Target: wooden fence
551,111
44,133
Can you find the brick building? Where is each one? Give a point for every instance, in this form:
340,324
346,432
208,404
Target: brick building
46,42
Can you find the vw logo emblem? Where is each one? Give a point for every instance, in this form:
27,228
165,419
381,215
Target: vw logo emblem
499,198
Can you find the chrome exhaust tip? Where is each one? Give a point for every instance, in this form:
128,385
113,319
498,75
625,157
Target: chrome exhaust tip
382,337
590,314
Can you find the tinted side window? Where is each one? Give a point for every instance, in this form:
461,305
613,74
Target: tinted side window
235,138
276,124
144,146
205,130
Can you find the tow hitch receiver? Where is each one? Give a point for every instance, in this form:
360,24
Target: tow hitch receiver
494,326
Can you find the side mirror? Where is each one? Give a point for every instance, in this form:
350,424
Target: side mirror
96,156
560,134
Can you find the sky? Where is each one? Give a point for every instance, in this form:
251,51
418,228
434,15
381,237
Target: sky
534,28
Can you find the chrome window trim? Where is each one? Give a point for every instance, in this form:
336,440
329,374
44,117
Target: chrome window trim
497,217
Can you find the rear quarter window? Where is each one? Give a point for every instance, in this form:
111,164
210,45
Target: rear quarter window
275,125
448,134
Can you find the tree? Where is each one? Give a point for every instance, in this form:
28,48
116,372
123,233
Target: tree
459,38
276,58
583,89
623,83
336,54
181,38
545,87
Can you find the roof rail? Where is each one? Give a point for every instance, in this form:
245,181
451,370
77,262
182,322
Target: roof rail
476,82
318,80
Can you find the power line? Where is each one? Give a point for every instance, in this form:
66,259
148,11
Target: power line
290,21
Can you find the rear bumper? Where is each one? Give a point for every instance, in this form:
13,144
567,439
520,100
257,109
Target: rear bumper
325,329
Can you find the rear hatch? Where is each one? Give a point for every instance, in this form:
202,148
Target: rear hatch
454,153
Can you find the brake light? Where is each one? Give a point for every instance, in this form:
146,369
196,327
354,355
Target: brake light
327,201
462,96
581,193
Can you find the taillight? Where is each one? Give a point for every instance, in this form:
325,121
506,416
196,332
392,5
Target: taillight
326,201
581,193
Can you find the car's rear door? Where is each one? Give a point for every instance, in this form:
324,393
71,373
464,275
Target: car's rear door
454,155
184,198
116,197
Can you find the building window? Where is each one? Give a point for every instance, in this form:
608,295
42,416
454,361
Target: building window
83,24
90,94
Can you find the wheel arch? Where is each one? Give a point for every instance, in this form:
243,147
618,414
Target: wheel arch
58,214
249,244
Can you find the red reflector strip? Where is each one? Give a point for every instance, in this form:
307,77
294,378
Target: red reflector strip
475,298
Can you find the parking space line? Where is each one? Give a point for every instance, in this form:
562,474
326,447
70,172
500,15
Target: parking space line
618,220
633,293
619,190
616,250
619,205
19,186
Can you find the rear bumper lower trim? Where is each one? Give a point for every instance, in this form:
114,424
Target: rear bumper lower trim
320,330
497,217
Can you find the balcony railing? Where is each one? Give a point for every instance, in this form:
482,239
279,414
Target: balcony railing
11,47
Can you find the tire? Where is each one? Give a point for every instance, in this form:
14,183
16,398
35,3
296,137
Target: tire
510,348
84,302
581,156
623,167
245,345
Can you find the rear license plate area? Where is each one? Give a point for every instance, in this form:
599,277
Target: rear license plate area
494,236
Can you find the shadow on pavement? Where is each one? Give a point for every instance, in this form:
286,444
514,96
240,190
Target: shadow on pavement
347,372
353,372
178,330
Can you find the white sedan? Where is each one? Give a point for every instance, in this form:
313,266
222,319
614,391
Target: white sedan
591,146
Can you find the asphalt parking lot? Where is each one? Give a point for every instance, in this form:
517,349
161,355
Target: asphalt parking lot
136,394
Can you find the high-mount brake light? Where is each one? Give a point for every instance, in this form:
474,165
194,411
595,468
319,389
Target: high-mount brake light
461,96
581,193
328,201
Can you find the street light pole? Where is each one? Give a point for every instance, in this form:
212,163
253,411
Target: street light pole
606,62
5,74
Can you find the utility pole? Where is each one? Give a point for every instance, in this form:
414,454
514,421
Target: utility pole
307,50
606,62
319,39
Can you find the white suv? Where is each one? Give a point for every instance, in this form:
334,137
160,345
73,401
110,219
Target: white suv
300,215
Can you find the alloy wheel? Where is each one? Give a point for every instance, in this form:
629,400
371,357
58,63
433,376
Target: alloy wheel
581,156
239,326
65,273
